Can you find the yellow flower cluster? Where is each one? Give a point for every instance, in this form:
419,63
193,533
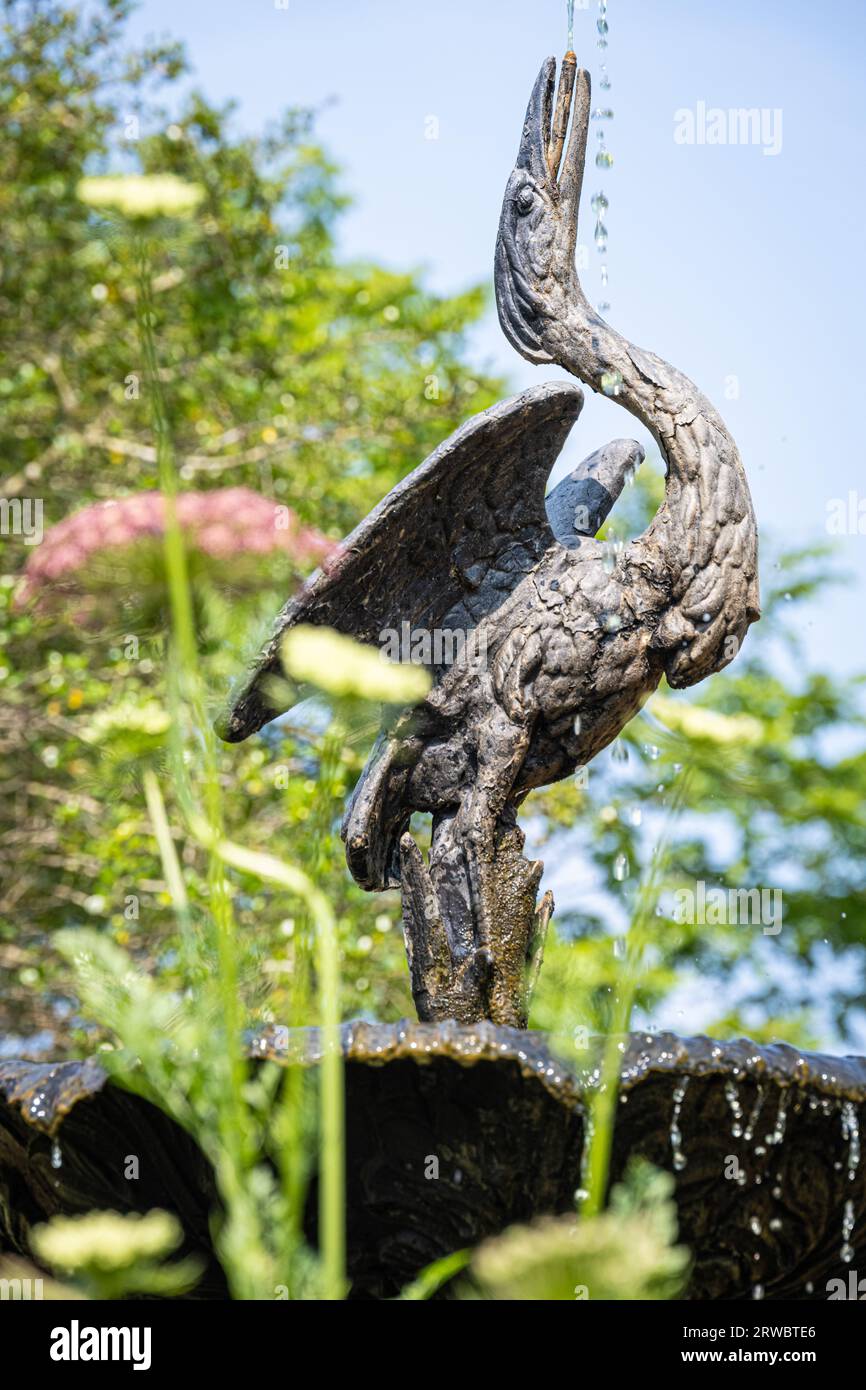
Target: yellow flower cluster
141,195
341,666
695,721
105,1239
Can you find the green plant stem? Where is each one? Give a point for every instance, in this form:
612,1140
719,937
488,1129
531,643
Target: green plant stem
604,1099
331,1131
187,684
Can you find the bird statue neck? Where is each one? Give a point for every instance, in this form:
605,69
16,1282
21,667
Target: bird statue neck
701,545
699,453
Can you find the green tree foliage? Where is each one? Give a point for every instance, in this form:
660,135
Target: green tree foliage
315,382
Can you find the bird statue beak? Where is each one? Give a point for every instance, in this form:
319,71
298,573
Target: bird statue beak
547,151
532,155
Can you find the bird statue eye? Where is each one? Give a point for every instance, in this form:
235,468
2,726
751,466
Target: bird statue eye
525,199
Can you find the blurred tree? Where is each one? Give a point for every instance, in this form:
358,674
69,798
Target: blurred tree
311,381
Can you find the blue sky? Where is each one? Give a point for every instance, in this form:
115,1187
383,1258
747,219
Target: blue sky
726,261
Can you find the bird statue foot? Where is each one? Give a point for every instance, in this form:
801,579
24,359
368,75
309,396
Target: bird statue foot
492,980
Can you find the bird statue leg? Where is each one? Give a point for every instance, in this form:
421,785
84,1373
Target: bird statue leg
470,918
495,981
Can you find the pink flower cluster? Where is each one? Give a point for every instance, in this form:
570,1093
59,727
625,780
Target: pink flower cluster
221,523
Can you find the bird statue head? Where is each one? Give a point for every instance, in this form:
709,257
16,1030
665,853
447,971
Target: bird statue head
701,546
535,273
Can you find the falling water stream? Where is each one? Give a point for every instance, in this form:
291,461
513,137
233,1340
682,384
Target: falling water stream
777,1134
678,1158
749,1130
851,1133
733,1099
743,1127
602,113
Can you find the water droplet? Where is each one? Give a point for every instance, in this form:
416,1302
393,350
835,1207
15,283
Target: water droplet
620,867
56,1155
602,25
847,1251
588,1132
733,1100
755,1225
603,306
604,80
757,1291
619,751
678,1157
619,946
603,273
600,237
577,723
599,204
604,159
851,1132
611,622
635,815
778,1133
611,383
755,1112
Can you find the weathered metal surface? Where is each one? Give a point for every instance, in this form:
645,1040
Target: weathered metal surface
504,1120
67,1135
46,1092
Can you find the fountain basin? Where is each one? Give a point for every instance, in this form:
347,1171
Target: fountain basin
453,1133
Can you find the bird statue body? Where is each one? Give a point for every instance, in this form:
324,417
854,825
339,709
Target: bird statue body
564,636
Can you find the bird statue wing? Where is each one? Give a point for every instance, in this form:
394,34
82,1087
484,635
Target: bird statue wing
455,535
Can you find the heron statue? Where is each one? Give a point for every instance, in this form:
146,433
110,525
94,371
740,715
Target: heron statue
569,635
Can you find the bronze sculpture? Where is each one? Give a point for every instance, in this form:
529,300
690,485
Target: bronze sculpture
575,635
